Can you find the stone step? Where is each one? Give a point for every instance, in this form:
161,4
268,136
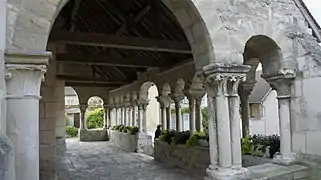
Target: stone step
271,171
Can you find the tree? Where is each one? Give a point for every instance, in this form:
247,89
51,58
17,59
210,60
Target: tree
95,119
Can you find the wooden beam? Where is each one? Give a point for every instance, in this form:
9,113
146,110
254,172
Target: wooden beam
80,79
107,61
134,20
112,41
90,84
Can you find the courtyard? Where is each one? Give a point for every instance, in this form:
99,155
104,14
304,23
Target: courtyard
103,160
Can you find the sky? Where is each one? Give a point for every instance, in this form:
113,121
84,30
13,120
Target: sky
314,7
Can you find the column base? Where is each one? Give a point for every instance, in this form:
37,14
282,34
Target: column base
218,173
286,161
144,143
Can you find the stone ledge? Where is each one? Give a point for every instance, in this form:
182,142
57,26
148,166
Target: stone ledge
89,135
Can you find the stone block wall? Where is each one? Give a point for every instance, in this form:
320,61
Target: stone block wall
89,135
123,140
195,159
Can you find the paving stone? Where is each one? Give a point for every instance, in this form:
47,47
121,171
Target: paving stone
103,161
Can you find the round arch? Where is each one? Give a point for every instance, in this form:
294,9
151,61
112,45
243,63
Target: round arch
31,30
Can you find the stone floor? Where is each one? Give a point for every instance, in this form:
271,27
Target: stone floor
103,161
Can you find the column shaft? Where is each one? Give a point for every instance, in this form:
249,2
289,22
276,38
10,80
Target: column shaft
83,109
285,127
191,102
144,123
140,119
163,117
245,115
198,115
134,115
234,105
168,118
178,112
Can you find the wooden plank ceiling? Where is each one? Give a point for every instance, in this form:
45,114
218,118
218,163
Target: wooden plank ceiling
108,42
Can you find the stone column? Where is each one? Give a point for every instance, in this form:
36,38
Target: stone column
83,109
140,118
144,123
234,104
116,116
134,114
106,116
244,92
130,115
24,73
122,116
198,114
191,106
220,131
168,117
177,99
162,112
282,84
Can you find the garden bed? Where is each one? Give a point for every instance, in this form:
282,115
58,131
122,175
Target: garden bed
89,135
194,158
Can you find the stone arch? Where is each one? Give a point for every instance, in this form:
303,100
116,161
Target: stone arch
143,93
262,49
31,25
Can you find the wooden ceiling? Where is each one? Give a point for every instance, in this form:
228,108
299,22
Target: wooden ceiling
108,42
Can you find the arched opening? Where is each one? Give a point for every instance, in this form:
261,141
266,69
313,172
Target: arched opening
95,113
72,110
149,91
259,103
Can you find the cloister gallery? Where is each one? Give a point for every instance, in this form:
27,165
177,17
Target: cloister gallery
117,49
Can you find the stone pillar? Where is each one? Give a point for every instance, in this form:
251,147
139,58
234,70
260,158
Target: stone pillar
130,115
177,99
60,110
217,80
191,106
162,112
144,123
140,118
168,117
106,116
122,116
282,84
109,120
234,104
198,114
134,114
24,73
244,92
83,109
116,116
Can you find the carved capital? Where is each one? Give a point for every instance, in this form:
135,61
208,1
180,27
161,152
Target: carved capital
83,108
177,97
24,80
142,104
282,86
225,83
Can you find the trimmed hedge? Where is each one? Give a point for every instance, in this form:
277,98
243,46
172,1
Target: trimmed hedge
250,143
71,131
126,129
95,119
176,137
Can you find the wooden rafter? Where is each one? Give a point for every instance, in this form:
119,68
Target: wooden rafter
133,43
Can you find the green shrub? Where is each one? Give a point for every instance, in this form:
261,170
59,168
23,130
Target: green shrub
193,140
71,131
133,130
251,143
167,136
205,119
180,137
95,119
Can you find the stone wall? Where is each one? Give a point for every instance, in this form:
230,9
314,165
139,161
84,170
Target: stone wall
124,140
194,159
89,135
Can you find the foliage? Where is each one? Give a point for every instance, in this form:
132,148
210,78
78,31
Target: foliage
71,131
95,119
246,145
185,110
180,137
126,129
194,139
133,130
250,143
167,136
205,119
